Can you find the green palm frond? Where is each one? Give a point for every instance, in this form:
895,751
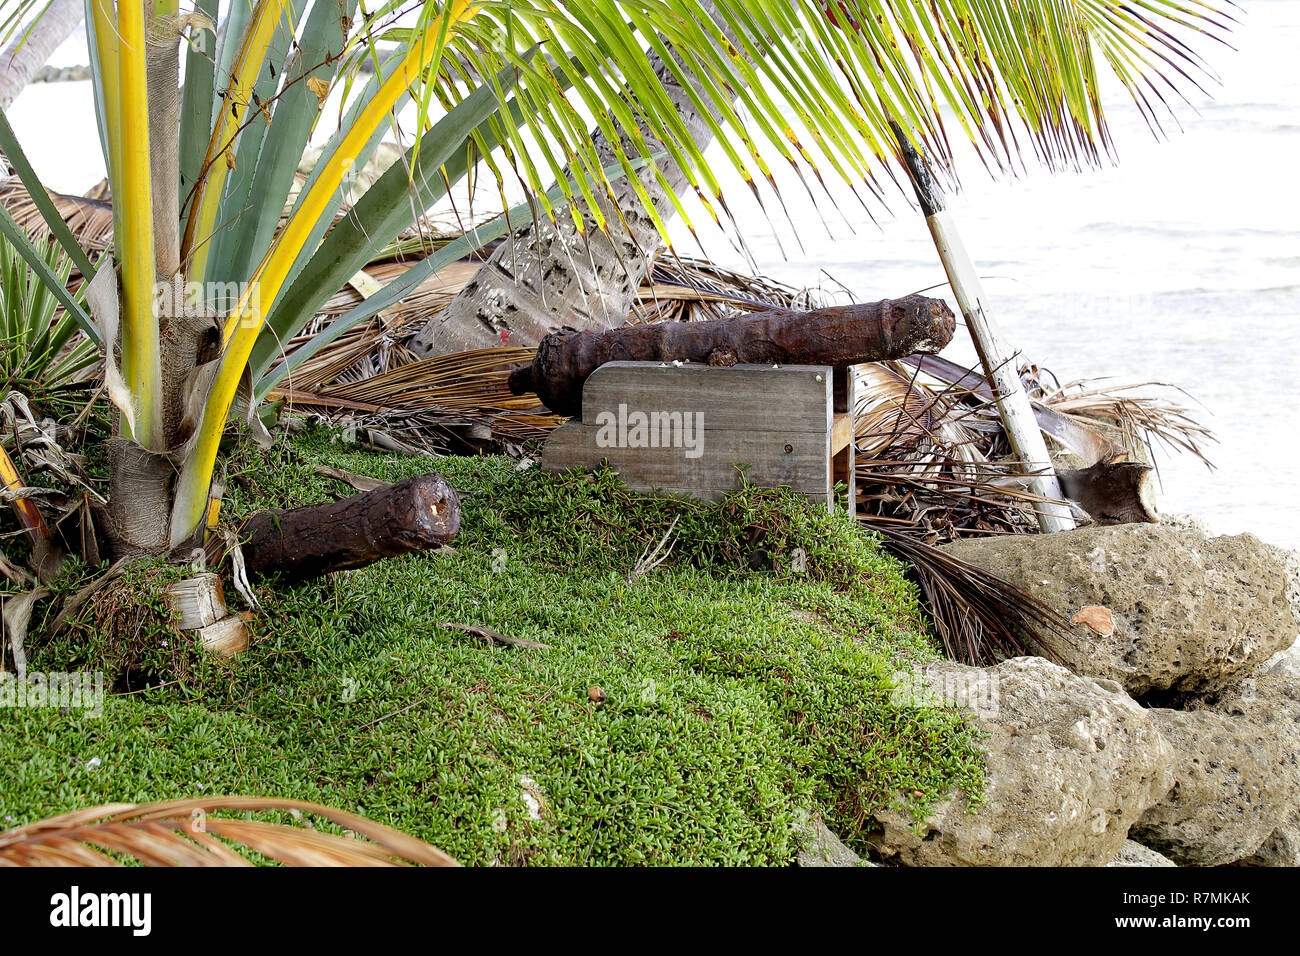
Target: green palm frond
41,347
817,82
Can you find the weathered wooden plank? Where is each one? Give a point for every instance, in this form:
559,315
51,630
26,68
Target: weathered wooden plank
800,460
841,432
793,398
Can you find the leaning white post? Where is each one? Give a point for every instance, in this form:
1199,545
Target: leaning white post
997,358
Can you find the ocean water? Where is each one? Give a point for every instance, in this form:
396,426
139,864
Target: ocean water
1181,264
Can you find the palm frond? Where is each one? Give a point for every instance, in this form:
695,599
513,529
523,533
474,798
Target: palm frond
1144,420
924,462
979,617
203,833
89,220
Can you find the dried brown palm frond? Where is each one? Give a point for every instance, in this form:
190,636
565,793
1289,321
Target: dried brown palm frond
1144,420
922,463
932,468
90,219
461,381
428,298
690,290
925,478
979,617
196,833
429,403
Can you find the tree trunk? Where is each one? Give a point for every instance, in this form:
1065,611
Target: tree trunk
178,332
839,337
28,51
545,276
415,514
141,483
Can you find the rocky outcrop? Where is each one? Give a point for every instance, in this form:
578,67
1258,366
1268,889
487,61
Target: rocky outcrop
1191,613
1278,686
1135,854
820,847
1280,849
1071,764
1282,664
1236,795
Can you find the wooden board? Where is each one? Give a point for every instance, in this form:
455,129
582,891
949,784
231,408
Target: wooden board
685,429
737,397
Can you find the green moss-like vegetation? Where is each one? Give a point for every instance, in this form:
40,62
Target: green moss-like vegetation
746,680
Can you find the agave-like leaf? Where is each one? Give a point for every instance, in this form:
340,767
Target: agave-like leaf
197,833
259,120
349,119
296,109
236,87
403,192
18,239
196,98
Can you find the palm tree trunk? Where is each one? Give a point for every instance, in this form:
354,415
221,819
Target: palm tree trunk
545,276
28,50
141,480
179,333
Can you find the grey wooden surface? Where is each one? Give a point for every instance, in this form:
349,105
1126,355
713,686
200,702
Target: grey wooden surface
775,420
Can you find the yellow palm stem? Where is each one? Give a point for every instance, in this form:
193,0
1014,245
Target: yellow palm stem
141,362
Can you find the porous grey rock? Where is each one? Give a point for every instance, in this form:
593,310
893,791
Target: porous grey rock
1282,664
1071,763
1191,613
1282,848
1290,561
1135,854
1236,795
820,847
1182,522
1279,687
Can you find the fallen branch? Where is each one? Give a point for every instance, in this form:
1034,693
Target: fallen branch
415,514
839,337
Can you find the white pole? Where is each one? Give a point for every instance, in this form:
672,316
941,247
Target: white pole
997,358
